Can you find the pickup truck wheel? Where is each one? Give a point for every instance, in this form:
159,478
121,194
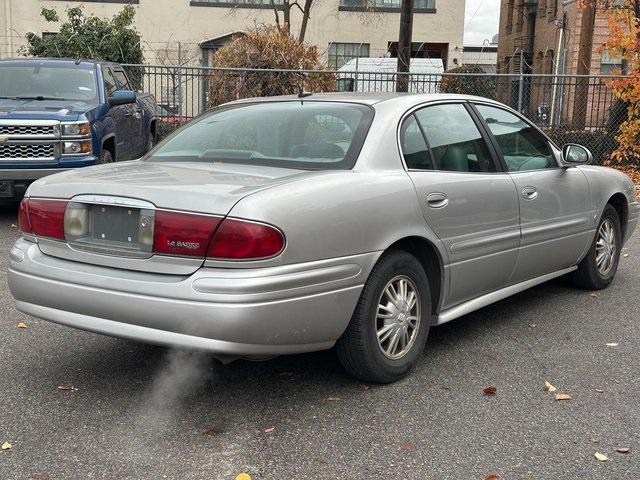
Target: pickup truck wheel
597,269
389,327
106,157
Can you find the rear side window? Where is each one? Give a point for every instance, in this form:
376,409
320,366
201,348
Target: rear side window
454,138
414,147
523,147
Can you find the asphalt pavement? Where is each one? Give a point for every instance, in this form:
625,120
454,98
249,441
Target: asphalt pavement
133,411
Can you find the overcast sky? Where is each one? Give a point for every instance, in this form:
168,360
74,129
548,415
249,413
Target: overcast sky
481,20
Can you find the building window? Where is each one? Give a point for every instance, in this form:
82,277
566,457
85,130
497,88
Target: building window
553,9
419,6
610,65
542,8
340,53
509,26
235,3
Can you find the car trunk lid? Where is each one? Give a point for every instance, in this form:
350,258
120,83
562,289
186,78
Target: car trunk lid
119,201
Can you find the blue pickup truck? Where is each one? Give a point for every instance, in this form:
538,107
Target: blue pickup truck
57,114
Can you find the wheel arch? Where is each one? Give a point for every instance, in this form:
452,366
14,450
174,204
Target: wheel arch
109,143
430,259
619,202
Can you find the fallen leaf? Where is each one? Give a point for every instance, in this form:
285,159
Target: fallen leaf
22,325
612,344
595,440
599,390
243,476
332,399
489,391
6,446
364,387
408,446
67,388
601,457
594,295
625,255
533,325
270,430
563,396
549,388
623,450
213,432
493,476
13,225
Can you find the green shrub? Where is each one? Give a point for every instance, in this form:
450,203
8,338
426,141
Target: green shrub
600,142
480,85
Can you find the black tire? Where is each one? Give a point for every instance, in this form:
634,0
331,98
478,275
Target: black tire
588,276
106,157
358,348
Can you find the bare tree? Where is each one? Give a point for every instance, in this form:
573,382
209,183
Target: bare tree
282,11
175,56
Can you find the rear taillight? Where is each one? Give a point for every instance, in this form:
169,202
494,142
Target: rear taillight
23,216
45,217
244,240
177,233
174,233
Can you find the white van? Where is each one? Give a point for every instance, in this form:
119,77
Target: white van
377,75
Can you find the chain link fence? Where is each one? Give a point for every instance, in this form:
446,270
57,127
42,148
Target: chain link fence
569,108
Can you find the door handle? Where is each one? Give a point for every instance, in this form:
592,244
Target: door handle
529,193
437,200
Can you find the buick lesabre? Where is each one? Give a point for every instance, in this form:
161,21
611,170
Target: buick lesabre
293,224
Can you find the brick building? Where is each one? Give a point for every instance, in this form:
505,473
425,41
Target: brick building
547,37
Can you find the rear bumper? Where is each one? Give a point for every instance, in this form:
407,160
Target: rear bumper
238,312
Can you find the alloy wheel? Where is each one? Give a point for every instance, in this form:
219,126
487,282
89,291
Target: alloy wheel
398,317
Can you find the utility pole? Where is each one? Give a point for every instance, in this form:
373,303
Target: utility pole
404,45
585,48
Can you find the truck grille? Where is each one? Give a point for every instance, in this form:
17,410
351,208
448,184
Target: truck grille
33,151
26,130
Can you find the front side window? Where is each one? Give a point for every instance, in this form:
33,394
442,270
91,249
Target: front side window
27,80
454,138
523,147
123,81
291,134
110,84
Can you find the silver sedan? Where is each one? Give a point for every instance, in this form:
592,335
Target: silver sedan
287,225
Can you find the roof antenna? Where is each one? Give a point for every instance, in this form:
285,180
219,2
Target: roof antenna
301,92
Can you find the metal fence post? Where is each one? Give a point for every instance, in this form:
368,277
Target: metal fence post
520,83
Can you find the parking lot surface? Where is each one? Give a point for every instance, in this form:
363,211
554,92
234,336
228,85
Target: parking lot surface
75,405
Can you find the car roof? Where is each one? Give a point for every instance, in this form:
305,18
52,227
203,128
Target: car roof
364,97
65,61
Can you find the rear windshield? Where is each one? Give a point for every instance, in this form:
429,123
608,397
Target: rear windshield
289,134
44,82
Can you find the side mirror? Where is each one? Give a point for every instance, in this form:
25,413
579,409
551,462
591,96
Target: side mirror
122,97
574,154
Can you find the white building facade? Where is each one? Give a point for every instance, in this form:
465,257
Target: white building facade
192,29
